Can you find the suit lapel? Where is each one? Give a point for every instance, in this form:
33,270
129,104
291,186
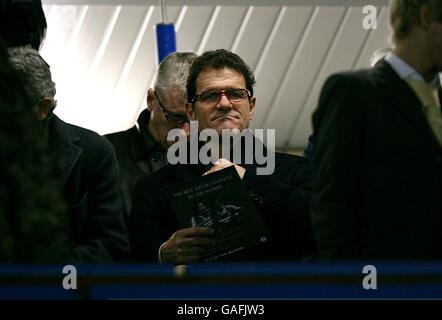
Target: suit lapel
64,142
402,96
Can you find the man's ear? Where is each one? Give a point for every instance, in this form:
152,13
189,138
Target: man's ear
43,108
149,99
252,107
190,110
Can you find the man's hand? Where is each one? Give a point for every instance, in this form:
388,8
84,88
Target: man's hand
222,164
187,245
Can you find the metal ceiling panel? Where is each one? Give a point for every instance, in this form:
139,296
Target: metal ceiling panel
342,55
276,61
193,27
224,26
302,72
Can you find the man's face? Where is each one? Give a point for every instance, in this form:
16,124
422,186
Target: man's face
430,36
168,111
224,113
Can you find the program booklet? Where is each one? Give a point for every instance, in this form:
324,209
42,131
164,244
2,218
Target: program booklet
221,201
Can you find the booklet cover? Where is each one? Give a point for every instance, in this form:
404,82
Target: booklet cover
220,200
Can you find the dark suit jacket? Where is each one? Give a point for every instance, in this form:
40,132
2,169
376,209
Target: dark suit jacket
138,154
89,175
282,198
377,186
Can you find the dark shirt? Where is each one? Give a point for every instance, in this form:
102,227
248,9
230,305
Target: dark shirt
282,199
138,155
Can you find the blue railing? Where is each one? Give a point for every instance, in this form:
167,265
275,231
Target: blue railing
224,281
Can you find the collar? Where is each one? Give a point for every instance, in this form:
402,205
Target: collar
64,142
146,143
404,70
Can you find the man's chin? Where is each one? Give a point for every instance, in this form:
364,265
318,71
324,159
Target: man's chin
227,124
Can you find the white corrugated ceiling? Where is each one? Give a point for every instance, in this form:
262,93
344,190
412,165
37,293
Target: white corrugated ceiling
103,54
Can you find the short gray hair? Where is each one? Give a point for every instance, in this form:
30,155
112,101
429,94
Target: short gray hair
173,72
33,72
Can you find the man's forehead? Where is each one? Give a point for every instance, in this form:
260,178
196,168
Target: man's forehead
174,100
212,75
218,72
175,93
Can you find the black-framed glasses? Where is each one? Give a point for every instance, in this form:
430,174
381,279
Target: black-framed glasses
177,119
213,96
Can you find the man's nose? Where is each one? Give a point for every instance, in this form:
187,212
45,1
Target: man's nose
224,102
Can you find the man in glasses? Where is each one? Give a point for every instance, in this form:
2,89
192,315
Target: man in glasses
142,149
221,97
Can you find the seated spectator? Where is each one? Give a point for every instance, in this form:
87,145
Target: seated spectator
220,96
142,149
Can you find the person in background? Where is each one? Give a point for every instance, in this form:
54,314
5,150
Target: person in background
86,167
22,22
377,56
142,149
34,225
377,163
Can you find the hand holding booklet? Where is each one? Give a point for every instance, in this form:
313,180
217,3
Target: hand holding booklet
220,201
